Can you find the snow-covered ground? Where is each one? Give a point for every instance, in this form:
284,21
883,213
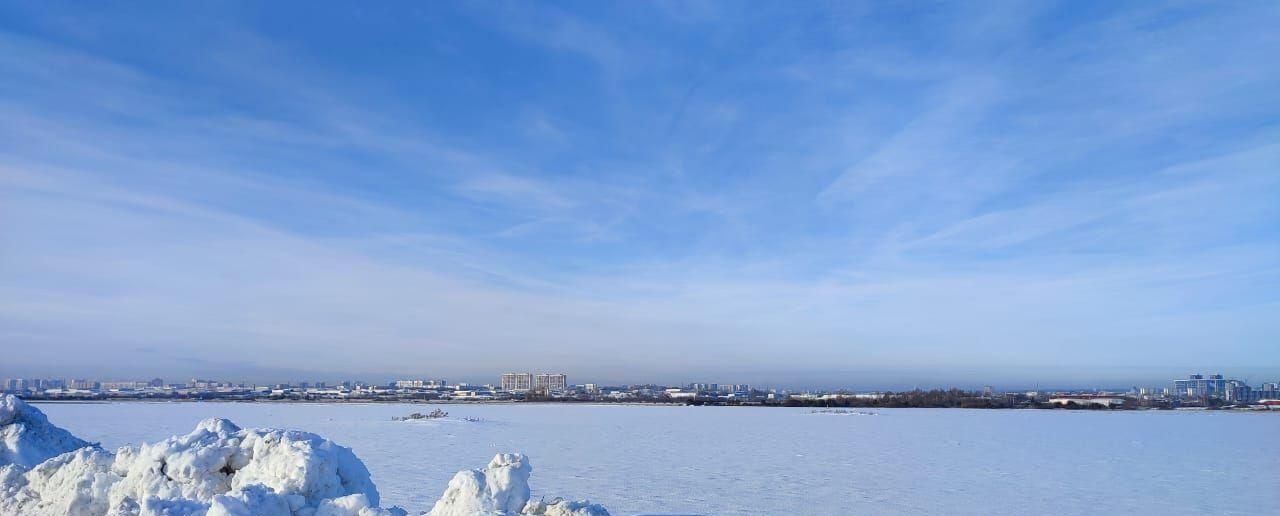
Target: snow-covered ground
709,460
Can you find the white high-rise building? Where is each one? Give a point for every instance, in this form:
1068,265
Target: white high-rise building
517,381
550,382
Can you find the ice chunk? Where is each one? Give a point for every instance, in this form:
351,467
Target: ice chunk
27,437
560,507
253,500
501,488
74,483
218,458
158,507
354,505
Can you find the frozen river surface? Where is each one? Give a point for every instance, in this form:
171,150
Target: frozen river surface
773,461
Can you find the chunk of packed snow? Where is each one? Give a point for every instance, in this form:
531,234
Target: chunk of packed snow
560,507
27,437
158,507
74,483
254,500
220,469
500,488
219,457
354,505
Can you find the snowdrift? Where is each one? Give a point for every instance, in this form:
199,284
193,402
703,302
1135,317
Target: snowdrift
26,436
220,469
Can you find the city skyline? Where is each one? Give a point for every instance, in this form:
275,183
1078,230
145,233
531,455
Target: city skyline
1196,391
894,195
526,381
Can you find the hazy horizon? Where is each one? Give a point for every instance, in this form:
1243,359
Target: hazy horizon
1067,194
880,379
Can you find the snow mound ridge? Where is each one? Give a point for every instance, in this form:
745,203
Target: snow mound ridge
26,436
220,469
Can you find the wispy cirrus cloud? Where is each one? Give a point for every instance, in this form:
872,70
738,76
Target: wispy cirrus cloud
519,192
967,187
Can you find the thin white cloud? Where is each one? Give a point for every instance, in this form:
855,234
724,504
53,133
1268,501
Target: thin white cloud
518,192
1009,202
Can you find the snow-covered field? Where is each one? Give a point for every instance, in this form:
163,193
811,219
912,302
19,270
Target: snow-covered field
714,460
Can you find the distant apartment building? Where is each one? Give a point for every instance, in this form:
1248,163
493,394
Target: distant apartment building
419,384
82,384
1197,386
719,387
517,381
550,382
1240,392
123,386
15,385
197,383
1269,391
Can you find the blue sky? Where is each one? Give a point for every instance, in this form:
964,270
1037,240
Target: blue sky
870,194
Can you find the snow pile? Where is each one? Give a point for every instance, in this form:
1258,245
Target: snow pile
220,469
502,489
219,457
217,469
26,436
74,483
560,507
